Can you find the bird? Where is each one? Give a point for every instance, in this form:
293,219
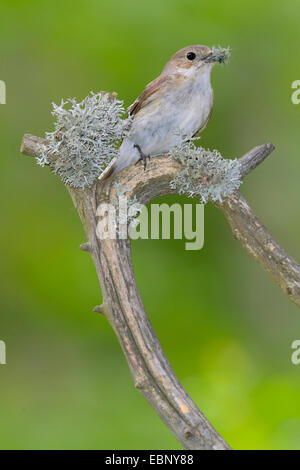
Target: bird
177,103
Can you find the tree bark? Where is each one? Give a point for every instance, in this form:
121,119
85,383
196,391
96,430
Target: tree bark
122,303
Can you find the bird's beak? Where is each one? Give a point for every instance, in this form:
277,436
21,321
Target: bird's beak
208,57
217,55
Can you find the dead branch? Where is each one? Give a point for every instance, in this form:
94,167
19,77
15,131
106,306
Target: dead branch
122,303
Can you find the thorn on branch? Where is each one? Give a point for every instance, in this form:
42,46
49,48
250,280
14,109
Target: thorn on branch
188,433
99,309
290,291
139,384
86,246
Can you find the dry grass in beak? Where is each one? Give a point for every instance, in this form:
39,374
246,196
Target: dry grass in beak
220,54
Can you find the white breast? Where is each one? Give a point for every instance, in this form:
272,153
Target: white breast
180,111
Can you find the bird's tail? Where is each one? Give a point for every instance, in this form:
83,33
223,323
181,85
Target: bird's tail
127,154
109,170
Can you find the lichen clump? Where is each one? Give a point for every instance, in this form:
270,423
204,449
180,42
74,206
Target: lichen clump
205,173
85,138
221,54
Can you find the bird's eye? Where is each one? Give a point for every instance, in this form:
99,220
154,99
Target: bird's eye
191,55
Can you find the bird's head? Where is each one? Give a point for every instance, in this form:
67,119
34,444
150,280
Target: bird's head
195,58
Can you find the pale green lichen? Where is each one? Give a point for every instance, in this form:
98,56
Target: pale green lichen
221,54
205,173
85,138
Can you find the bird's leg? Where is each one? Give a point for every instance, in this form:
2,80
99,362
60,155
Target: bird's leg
143,157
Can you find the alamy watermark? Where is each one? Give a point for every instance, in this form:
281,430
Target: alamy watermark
2,352
2,92
296,94
295,357
126,218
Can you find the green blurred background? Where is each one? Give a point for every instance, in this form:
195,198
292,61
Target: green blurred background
225,326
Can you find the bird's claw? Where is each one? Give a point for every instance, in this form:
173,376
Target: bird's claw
143,157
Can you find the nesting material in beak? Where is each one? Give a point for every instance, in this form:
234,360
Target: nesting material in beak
219,54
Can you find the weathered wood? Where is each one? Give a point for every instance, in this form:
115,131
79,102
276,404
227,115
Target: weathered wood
122,303
250,231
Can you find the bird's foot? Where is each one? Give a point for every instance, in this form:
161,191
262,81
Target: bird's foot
143,157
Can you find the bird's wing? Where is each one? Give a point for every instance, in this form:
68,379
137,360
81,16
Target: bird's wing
151,93
153,88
